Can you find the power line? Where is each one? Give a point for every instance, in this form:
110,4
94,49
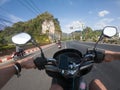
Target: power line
3,22
1,19
31,5
2,26
27,6
4,17
6,11
35,5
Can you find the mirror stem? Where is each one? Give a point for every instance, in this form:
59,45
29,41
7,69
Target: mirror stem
101,37
36,44
42,54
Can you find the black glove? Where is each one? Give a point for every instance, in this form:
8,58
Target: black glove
40,63
99,55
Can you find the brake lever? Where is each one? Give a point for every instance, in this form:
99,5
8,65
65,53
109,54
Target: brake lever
87,64
88,58
51,60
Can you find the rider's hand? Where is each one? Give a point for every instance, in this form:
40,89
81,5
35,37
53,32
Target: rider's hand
40,62
27,63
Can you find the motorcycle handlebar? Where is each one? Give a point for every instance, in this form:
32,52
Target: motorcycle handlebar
88,62
51,60
41,62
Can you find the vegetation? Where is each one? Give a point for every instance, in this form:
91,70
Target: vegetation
92,35
87,34
33,27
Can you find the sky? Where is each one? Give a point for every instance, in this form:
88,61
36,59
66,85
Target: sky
71,13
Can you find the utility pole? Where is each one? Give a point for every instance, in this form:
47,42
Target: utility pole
82,31
71,28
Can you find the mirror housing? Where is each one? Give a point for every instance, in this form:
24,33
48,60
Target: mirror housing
21,38
109,31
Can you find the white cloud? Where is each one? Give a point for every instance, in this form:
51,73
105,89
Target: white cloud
103,13
3,2
103,22
76,25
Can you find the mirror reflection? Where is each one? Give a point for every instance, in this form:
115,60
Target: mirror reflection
110,31
21,38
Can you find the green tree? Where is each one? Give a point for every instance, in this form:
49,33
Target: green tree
33,27
96,34
87,33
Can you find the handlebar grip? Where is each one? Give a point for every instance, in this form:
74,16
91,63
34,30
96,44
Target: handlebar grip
40,63
99,55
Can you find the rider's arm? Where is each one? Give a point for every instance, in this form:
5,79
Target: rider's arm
6,72
96,85
111,55
105,55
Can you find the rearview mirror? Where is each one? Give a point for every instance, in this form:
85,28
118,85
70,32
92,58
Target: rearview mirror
21,38
109,31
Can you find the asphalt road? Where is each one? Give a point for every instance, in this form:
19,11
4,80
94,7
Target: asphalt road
32,79
108,73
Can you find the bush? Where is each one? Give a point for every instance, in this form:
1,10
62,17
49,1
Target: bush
5,47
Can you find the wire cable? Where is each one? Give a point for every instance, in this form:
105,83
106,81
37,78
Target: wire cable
26,6
7,12
35,5
1,19
32,6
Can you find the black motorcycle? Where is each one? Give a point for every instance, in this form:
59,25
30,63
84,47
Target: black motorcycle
67,65
19,54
